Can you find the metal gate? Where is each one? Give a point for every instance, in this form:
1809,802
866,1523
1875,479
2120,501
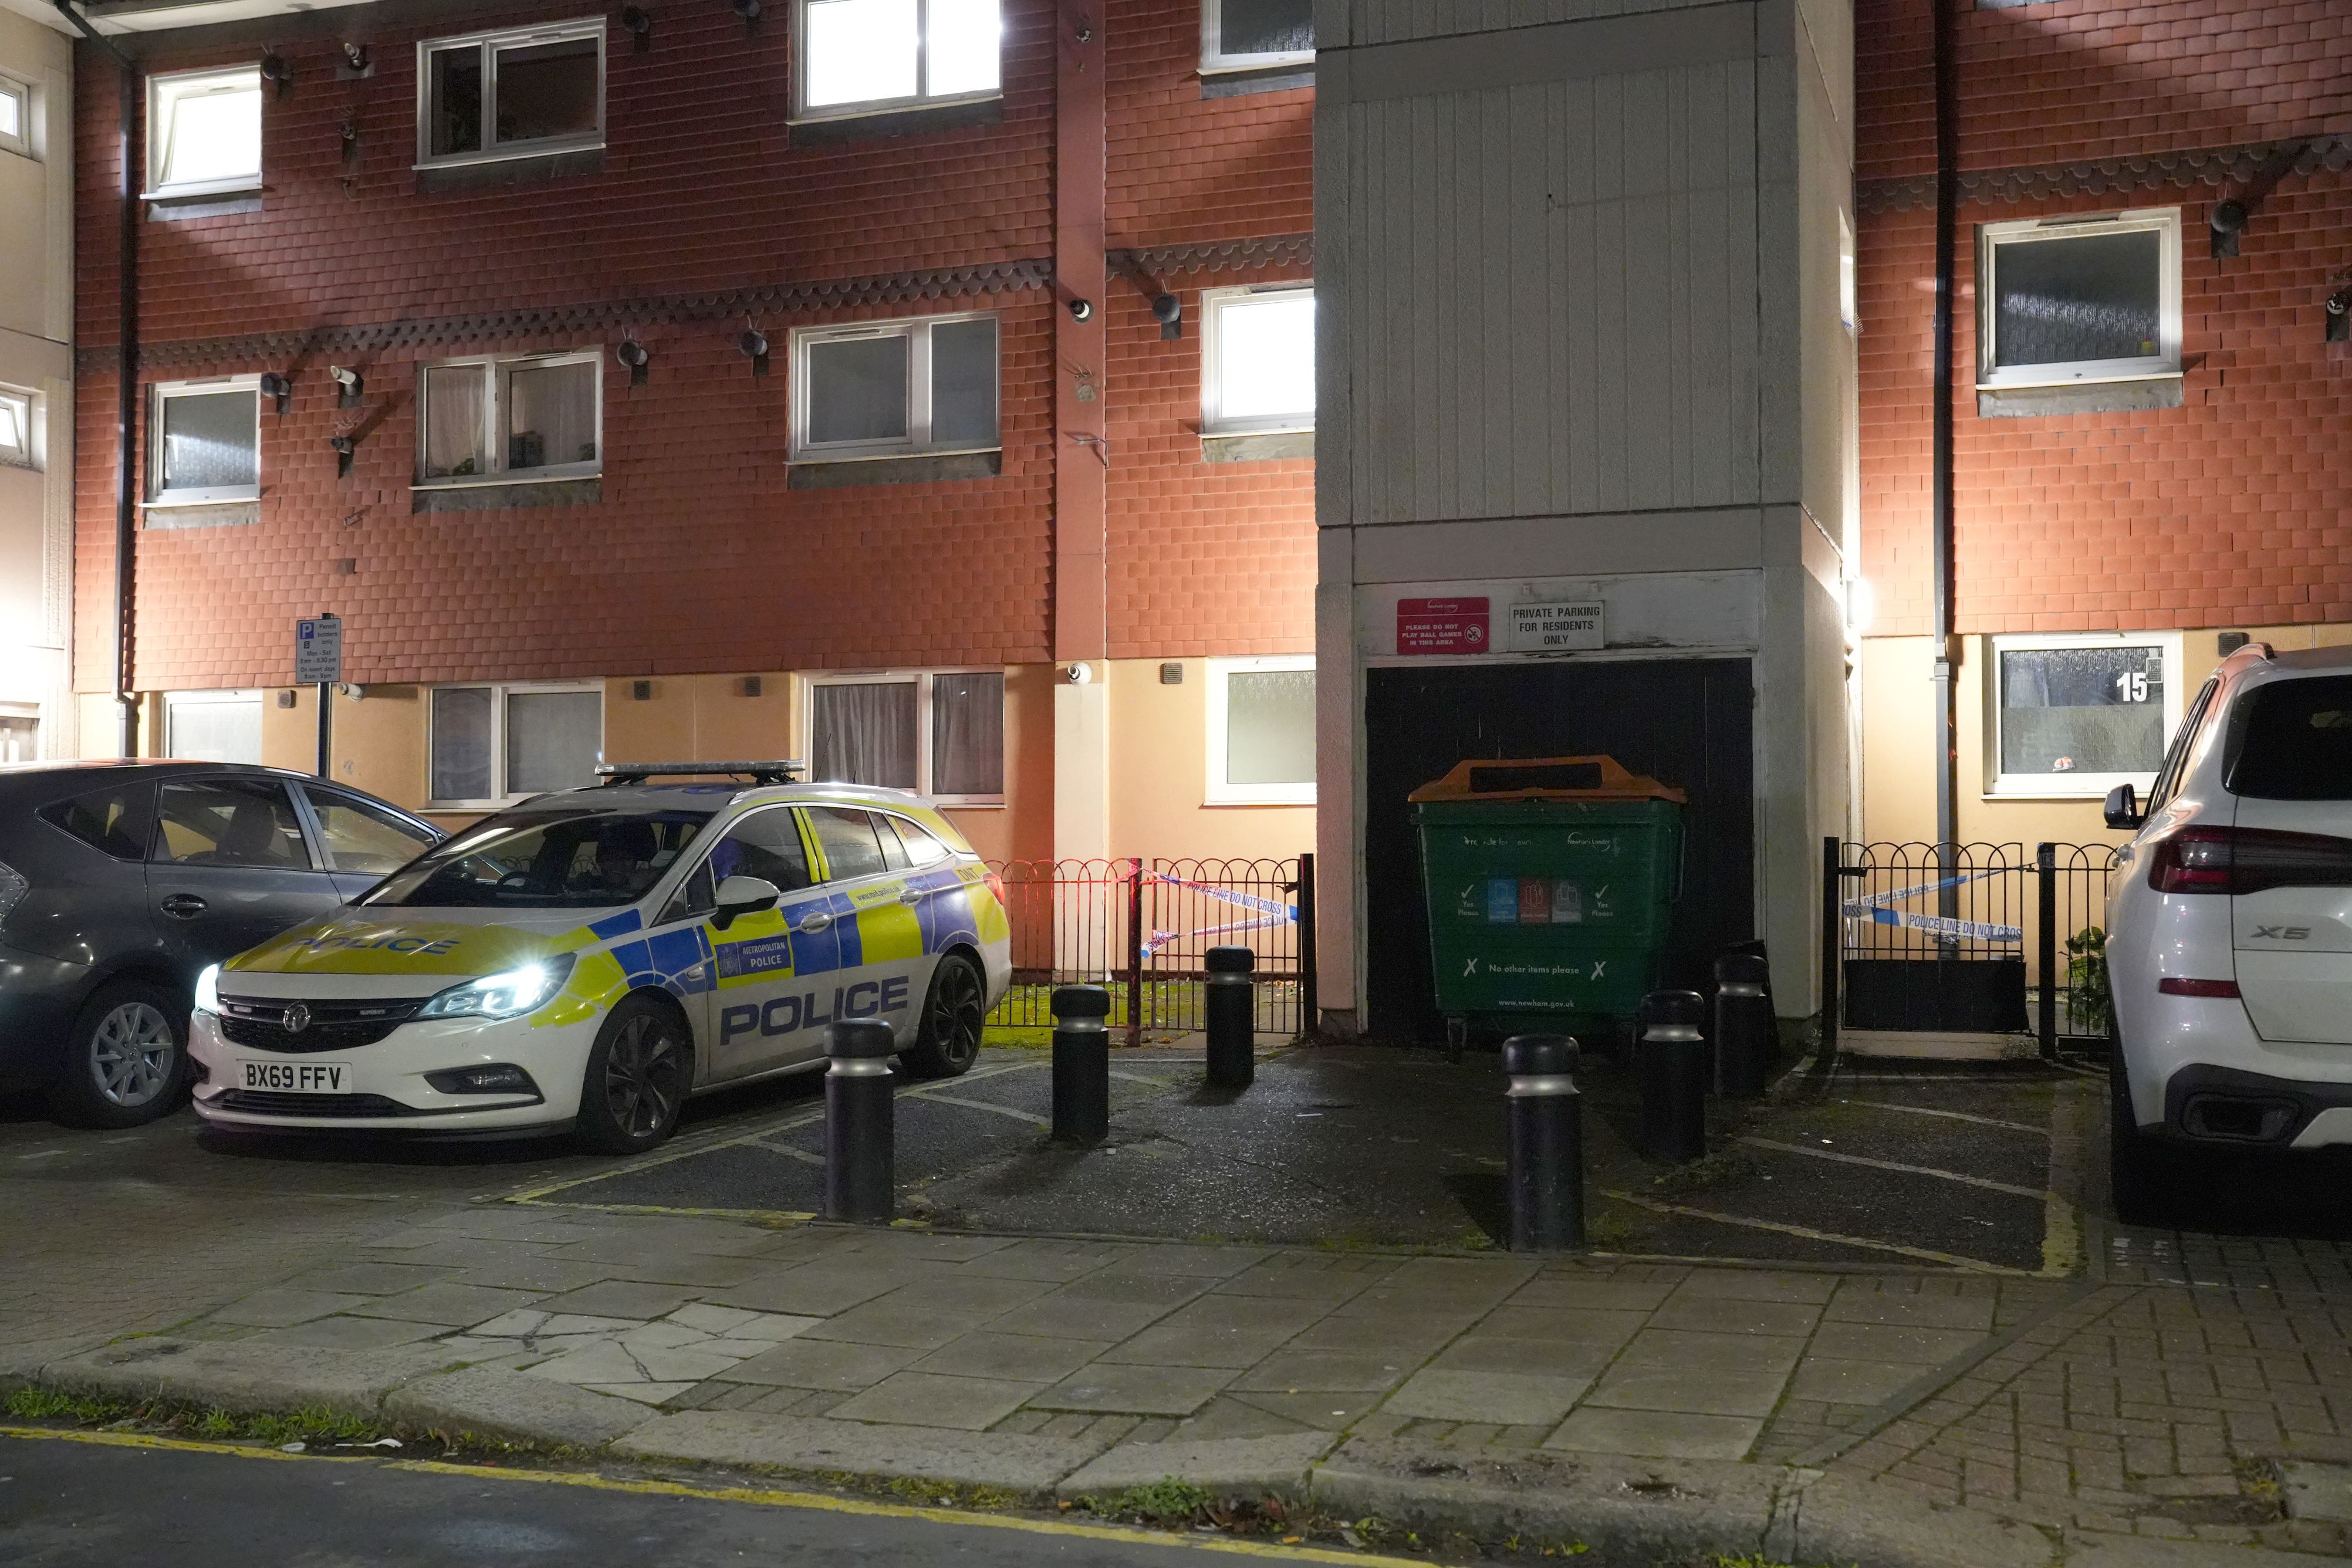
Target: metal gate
1143,929
1972,938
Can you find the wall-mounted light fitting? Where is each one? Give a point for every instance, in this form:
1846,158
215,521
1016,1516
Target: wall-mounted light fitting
1168,311
276,388
641,691
640,26
754,344
2339,316
356,63
751,686
349,133
273,68
1082,310
749,11
342,447
350,385
632,353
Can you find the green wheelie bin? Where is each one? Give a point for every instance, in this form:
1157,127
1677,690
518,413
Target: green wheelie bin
1550,883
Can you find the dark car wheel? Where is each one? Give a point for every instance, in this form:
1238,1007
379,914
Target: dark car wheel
638,1074
125,1060
947,1037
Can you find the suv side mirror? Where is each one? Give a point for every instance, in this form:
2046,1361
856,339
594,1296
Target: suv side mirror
2123,811
745,895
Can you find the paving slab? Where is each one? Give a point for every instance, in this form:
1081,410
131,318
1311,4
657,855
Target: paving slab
1712,1352
1504,1399
1552,1324
1135,1390
1288,1371
1838,1382
1327,1410
1892,1341
491,1402
342,1333
623,1298
804,1363
932,1399
283,1308
1760,1285
1083,1317
528,1271
1248,1468
1686,1309
820,1443
812,1291
369,1278
1688,1391
452,1306
245,1374
1558,1358
1591,1295
1859,1303
1218,1330
1018,1357
1658,1434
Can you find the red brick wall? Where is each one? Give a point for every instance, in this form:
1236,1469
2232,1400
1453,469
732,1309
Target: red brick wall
2233,509
698,558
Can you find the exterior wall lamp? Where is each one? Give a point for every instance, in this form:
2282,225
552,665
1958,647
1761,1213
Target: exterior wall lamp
633,354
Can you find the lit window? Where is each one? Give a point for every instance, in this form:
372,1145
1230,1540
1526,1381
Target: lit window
1257,360
15,117
512,94
507,420
895,388
1849,287
16,429
2079,715
494,744
1261,732
859,56
203,133
2068,300
213,726
942,734
20,733
1246,35
205,442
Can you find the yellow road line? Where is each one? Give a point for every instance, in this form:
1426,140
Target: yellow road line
1986,1182
757,1495
1974,1265
2061,1237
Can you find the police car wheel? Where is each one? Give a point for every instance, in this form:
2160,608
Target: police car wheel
947,1040
638,1074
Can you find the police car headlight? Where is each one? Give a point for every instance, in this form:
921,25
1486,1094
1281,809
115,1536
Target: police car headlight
507,995
208,989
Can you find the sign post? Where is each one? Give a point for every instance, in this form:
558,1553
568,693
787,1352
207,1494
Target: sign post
319,661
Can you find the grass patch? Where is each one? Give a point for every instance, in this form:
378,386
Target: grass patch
49,1404
1164,1502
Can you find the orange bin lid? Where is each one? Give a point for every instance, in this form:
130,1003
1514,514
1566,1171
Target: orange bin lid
1545,778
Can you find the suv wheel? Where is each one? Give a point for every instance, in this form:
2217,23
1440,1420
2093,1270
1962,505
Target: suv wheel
2140,1177
125,1058
947,1039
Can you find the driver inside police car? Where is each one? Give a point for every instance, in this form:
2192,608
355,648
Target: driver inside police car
625,860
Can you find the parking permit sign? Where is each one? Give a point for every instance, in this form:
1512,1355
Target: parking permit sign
318,651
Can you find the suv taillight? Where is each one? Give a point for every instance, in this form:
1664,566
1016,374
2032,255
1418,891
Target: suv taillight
2243,860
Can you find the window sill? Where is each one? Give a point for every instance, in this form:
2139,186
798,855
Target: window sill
950,803
1307,802
915,468
2039,791
178,206
1237,82
1256,445
499,495
904,121
165,514
2118,395
510,169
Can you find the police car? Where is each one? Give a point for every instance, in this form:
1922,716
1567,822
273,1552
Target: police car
589,958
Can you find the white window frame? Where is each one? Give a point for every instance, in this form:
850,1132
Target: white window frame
1214,60
921,679
1213,304
1993,237
1849,276
918,443
175,700
163,94
1999,785
211,495
1219,792
921,98
500,691
490,44
21,93
498,370
31,417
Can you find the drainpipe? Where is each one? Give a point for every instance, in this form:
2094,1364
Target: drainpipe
1947,194
126,413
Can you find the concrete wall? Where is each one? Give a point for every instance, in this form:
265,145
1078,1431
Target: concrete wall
36,280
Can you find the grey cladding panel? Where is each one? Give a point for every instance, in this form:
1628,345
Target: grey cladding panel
1552,296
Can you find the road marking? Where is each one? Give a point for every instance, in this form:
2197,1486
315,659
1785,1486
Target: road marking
806,1156
1954,1115
1034,1119
1974,1265
757,1495
1985,1182
779,1216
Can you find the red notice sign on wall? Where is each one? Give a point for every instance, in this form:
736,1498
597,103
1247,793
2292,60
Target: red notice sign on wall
1442,626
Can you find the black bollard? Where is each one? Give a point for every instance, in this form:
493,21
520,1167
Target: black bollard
1672,1060
1230,1009
1546,1175
859,1169
1744,1038
1081,1064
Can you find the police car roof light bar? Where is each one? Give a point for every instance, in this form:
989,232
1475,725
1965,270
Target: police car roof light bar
783,770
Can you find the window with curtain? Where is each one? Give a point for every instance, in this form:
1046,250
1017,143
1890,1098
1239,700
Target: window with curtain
895,388
968,733
865,733
494,743
545,411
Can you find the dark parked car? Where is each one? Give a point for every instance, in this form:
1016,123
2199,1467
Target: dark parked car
120,882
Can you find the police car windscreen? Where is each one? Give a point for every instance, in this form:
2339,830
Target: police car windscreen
567,859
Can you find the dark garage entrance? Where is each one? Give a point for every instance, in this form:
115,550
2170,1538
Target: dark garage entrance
1686,723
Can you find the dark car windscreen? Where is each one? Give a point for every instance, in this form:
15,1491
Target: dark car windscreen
2295,741
571,859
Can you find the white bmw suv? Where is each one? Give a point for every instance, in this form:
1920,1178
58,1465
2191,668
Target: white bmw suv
2229,930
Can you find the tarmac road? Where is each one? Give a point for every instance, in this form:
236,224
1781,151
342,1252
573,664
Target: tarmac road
66,1503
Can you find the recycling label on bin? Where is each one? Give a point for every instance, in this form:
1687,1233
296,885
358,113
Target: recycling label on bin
1532,900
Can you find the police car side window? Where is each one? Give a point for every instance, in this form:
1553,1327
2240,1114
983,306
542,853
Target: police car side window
850,850
766,844
698,897
922,849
